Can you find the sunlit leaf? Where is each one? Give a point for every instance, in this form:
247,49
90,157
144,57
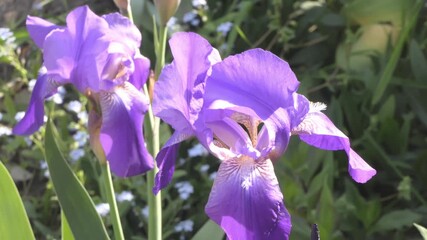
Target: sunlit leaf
422,230
78,208
14,223
210,230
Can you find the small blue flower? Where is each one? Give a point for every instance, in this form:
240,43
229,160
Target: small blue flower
76,154
184,226
185,189
125,196
224,28
103,209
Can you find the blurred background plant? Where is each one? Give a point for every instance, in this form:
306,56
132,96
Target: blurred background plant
364,59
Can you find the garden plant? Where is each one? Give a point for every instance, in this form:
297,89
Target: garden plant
204,119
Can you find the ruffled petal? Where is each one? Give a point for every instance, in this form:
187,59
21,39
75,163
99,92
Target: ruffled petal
38,29
85,55
121,131
34,115
166,160
318,130
125,31
178,95
246,201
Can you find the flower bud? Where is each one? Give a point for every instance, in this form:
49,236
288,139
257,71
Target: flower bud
166,9
122,4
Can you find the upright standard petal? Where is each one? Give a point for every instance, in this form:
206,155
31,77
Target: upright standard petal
258,84
121,131
246,201
34,115
255,81
141,73
126,32
38,29
85,53
177,99
318,130
178,95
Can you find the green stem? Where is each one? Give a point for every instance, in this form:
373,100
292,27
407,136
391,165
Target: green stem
155,201
160,52
114,211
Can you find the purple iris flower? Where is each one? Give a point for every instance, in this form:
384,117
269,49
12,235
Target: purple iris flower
250,110
100,57
178,96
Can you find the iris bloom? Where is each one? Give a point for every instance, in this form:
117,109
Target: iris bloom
100,57
250,110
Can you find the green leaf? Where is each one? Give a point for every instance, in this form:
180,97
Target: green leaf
395,55
365,12
210,230
78,208
418,62
326,218
66,233
405,218
14,223
422,230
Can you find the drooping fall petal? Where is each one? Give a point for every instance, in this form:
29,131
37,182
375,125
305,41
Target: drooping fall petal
318,130
121,131
33,118
246,201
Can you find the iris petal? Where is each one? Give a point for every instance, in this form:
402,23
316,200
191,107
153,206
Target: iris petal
258,84
83,59
178,96
177,99
246,201
318,130
121,131
38,29
166,160
34,115
126,32
141,73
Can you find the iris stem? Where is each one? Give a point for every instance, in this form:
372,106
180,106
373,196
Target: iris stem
155,201
114,211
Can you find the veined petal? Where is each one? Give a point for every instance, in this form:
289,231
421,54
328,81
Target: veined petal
121,131
34,115
234,137
246,201
166,159
318,130
38,29
178,95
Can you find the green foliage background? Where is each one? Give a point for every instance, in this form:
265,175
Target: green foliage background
365,59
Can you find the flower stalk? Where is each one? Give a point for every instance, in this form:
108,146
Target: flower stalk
155,201
114,211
